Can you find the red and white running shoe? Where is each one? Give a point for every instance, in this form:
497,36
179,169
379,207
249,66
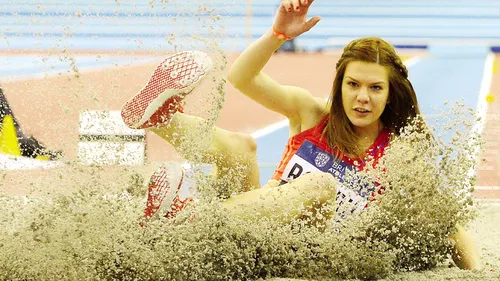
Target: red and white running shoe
163,192
172,80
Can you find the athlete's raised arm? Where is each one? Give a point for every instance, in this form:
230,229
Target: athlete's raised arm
246,72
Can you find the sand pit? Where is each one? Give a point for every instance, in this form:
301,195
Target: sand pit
487,232
95,225
82,222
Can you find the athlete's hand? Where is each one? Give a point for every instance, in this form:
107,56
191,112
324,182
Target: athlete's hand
291,18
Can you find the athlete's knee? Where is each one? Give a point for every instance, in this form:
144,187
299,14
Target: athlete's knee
235,148
328,180
322,178
320,181
251,143
320,187
246,142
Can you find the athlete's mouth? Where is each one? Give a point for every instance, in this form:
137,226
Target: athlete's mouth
361,110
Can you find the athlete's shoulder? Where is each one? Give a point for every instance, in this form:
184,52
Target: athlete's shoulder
323,105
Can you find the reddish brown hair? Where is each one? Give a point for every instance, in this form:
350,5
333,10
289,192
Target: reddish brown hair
403,105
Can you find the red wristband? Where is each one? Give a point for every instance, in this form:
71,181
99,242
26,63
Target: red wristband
281,36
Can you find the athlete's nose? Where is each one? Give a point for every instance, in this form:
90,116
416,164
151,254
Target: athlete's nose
363,96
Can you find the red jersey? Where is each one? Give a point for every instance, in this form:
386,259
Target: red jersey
308,152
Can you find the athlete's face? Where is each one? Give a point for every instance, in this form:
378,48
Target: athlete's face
365,93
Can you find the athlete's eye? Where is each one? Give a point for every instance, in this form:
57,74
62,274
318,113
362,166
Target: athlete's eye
376,88
352,84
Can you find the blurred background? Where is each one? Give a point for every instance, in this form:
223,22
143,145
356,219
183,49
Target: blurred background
67,64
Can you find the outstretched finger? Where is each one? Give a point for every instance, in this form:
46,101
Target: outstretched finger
306,3
311,23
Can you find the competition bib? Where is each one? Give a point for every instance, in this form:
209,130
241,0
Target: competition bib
352,192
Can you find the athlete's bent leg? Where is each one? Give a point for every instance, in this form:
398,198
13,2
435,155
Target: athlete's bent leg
287,202
231,152
157,105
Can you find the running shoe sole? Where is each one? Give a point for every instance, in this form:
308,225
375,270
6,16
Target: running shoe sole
163,189
174,78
